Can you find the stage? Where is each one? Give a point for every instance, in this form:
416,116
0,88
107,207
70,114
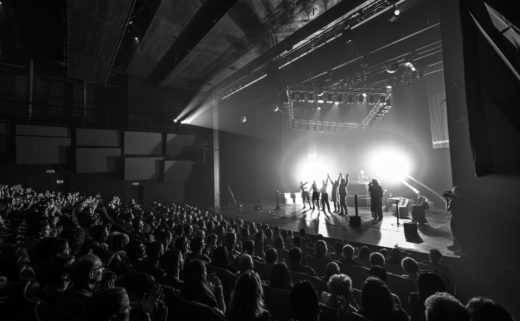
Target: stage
435,234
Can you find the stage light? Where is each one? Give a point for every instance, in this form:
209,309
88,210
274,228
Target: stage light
397,12
388,86
389,165
313,168
276,108
329,99
243,119
319,108
175,120
320,101
136,39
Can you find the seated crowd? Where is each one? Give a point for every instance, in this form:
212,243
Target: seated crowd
70,257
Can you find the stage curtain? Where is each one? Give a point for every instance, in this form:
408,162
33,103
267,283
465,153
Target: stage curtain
437,107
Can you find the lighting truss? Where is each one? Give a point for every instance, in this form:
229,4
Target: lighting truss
295,95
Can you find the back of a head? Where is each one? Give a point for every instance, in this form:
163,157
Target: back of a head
280,277
428,283
443,306
171,260
295,256
320,248
247,299
364,252
245,262
249,246
196,244
219,257
154,250
305,302
409,265
271,256
110,304
330,269
378,272
485,309
194,271
347,252
376,299
376,258
340,284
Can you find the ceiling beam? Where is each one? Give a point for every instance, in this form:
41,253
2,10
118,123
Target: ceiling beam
203,21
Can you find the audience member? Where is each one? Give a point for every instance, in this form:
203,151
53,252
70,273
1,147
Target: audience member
443,306
295,260
485,309
247,301
347,256
377,303
305,302
281,277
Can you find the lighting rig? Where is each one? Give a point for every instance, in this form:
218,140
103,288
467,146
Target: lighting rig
299,97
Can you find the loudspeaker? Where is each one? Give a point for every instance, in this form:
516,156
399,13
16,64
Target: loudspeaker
355,221
410,233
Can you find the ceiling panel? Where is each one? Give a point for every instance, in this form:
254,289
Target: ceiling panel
95,28
171,19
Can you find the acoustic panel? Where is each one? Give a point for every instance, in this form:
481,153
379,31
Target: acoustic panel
142,168
177,170
142,143
175,143
50,131
98,137
42,150
97,160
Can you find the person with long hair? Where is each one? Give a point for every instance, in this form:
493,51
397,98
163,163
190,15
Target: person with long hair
247,300
376,199
281,277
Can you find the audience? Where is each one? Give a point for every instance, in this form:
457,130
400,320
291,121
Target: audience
72,251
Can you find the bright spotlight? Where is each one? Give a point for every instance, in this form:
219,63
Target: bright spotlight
319,108
312,169
397,12
389,165
243,119
175,120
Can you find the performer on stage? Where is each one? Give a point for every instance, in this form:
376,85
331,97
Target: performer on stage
334,196
305,194
343,194
315,195
376,199
325,195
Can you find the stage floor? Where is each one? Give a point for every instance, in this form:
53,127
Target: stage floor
436,234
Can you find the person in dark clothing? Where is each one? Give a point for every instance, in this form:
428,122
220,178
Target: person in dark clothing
172,263
198,288
295,260
315,195
305,194
376,199
343,194
325,195
86,274
247,302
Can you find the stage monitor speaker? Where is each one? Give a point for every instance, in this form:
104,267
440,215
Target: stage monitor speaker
355,221
410,233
